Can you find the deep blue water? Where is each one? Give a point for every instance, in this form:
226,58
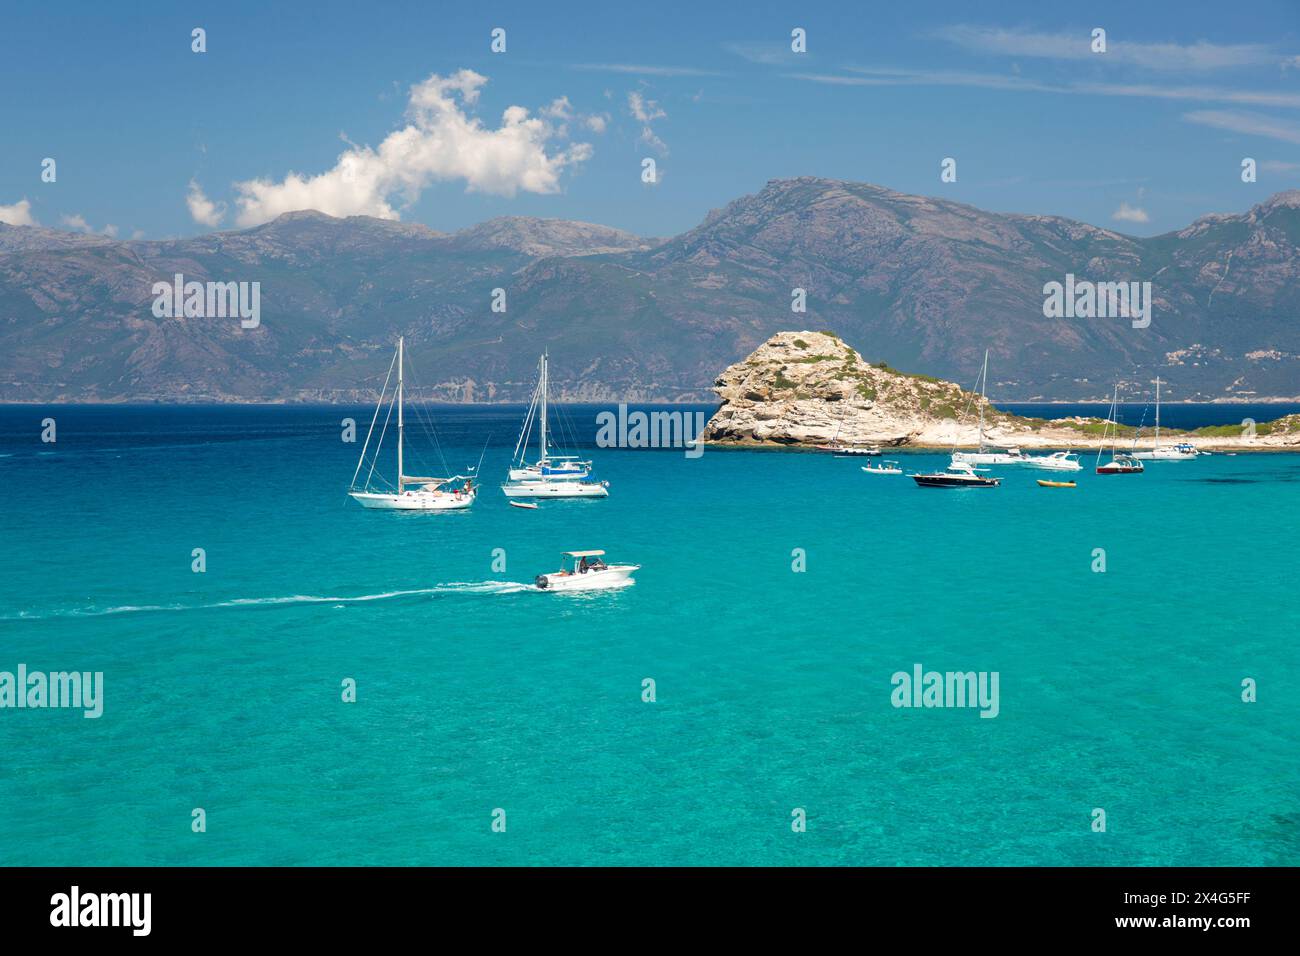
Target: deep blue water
1118,690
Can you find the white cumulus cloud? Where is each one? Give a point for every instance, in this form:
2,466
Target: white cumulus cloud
1127,213
78,222
439,142
202,209
19,214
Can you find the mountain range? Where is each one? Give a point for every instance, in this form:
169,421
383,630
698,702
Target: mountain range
921,283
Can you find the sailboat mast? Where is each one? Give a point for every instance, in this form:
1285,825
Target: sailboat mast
984,390
1157,411
400,423
541,441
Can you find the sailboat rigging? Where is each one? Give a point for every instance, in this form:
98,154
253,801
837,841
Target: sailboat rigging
1183,451
430,494
551,475
1119,464
987,455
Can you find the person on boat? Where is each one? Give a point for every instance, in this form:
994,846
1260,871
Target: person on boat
582,566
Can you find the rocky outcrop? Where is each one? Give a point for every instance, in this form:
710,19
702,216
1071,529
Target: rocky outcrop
810,388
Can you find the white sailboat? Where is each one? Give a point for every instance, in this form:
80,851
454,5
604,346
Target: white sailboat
987,455
1183,451
551,475
429,494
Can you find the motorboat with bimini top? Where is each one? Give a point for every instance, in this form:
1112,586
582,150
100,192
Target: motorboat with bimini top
958,475
1120,463
886,467
1183,451
586,571
411,493
987,454
551,475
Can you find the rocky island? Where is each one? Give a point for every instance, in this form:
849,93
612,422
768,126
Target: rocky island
810,388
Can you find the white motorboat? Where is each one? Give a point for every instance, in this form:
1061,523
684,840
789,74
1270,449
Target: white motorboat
586,571
551,475
886,467
453,493
988,455
1183,451
1056,461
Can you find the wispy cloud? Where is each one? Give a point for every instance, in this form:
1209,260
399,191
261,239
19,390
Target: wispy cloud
1076,45
888,76
1253,124
1127,213
645,70
766,52
646,112
1279,166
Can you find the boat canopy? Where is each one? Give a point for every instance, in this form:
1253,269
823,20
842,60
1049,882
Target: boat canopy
584,554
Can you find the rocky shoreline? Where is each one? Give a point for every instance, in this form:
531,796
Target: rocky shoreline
803,389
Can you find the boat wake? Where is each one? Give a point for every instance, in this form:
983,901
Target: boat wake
481,587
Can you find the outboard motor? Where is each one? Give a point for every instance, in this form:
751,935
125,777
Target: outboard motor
541,582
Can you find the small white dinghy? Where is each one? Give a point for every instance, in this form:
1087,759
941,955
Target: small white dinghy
587,572
886,467
523,504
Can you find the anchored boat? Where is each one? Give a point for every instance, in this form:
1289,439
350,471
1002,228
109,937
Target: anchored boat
551,475
987,455
1056,461
1043,483
886,467
960,474
587,571
1119,464
453,493
1183,451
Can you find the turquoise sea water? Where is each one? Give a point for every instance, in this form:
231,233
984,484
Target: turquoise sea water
1118,690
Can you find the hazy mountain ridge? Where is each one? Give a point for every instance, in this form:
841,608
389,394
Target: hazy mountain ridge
923,283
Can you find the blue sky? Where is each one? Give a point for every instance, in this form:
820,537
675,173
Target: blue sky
1154,130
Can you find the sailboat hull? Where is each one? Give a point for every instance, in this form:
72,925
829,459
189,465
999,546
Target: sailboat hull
555,489
1164,454
988,458
413,500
